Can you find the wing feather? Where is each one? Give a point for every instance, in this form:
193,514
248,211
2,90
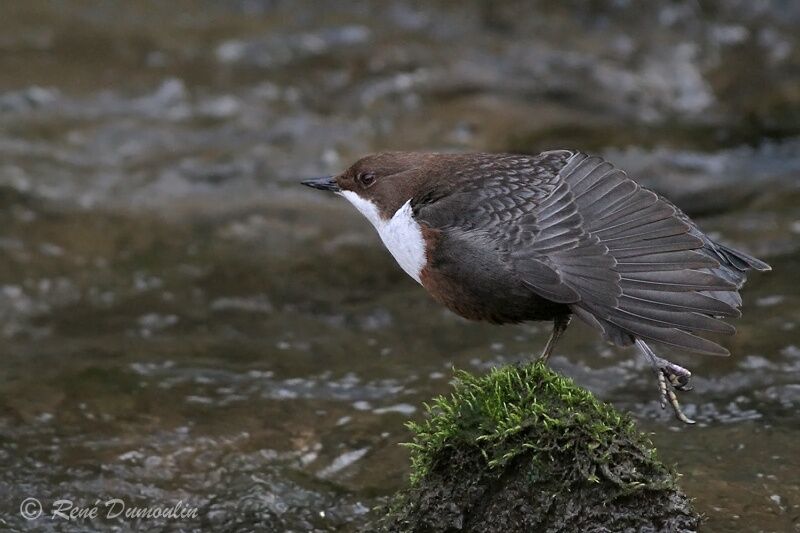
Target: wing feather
576,230
667,284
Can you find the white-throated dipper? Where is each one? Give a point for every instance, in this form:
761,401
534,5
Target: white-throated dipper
511,238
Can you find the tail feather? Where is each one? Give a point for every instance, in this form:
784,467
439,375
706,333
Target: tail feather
740,260
673,282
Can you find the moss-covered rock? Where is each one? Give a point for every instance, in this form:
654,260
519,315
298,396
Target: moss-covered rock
525,449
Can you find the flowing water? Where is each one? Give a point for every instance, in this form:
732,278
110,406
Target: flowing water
181,321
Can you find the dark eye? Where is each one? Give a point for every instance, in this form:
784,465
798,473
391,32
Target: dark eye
365,179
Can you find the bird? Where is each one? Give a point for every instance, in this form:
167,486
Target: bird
511,238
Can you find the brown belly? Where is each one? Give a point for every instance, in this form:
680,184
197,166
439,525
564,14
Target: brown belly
496,298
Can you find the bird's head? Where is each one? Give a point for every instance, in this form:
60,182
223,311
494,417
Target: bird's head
379,184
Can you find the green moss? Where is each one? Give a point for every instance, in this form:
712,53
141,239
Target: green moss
575,435
525,449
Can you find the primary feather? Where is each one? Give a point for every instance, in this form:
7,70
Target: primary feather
578,231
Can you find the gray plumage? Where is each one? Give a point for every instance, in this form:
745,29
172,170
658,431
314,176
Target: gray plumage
582,237
512,238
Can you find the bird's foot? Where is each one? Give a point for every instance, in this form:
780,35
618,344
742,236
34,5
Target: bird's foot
672,378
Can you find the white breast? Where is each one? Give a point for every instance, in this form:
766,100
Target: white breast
401,234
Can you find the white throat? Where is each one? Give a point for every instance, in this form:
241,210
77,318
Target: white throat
401,234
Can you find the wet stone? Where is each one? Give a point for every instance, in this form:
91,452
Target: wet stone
524,449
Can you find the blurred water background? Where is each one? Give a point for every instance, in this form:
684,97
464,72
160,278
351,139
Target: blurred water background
180,320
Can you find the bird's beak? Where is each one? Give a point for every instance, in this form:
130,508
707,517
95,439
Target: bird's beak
327,183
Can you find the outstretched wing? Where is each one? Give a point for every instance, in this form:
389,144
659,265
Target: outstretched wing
578,231
666,283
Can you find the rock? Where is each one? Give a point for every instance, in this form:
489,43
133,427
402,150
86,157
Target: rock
525,449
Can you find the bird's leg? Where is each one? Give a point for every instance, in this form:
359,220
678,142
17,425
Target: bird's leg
560,324
671,378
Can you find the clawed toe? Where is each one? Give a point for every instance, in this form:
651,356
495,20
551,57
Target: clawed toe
667,387
671,378
678,377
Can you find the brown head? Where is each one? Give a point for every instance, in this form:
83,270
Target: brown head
382,187
386,180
